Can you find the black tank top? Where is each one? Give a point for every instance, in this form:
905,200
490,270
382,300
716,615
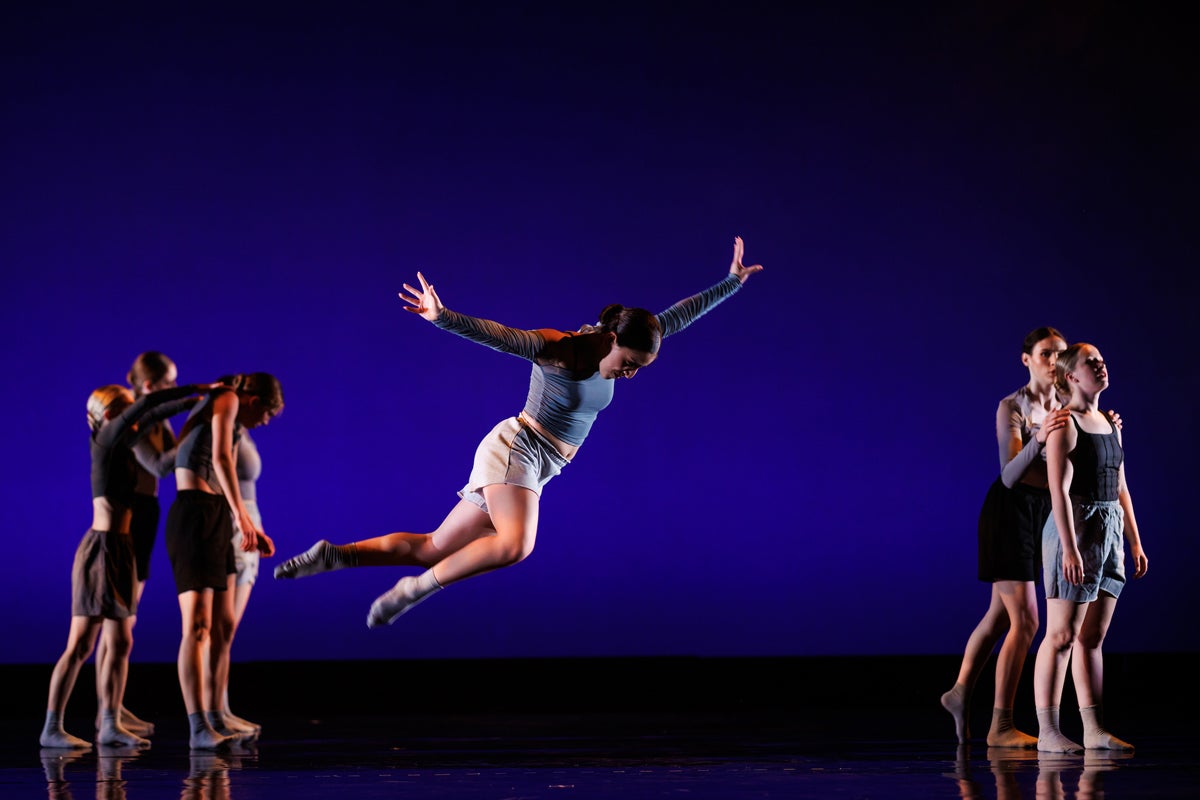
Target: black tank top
1097,460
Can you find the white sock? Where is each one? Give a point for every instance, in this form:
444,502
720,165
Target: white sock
407,592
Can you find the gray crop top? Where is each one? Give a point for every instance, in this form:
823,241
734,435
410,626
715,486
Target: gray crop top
562,403
195,448
249,467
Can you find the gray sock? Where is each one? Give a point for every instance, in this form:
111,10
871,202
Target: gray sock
957,702
321,557
1050,738
53,734
216,721
1095,737
197,722
1004,733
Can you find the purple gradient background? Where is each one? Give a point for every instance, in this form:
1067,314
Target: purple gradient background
246,188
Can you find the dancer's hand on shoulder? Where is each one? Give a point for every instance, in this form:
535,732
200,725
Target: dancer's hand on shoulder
1116,419
737,267
1055,420
423,301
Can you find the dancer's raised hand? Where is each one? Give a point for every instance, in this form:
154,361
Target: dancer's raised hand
737,268
424,301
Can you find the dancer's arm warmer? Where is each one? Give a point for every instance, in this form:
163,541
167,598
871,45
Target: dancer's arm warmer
690,309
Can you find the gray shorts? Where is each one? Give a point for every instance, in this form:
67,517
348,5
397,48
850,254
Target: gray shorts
246,563
1099,528
104,576
512,453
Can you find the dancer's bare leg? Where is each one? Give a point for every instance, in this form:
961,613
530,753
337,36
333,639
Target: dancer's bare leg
1087,671
113,674
511,519
1063,621
216,673
465,523
195,610
980,644
81,641
241,598
1020,604
127,719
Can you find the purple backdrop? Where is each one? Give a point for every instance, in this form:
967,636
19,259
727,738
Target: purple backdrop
800,472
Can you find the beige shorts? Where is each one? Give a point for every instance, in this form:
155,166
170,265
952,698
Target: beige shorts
513,453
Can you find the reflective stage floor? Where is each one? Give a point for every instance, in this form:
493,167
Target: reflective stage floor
795,728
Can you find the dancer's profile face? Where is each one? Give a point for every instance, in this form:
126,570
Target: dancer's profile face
1043,358
1091,373
623,362
255,412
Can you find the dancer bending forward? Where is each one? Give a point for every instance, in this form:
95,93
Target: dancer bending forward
494,525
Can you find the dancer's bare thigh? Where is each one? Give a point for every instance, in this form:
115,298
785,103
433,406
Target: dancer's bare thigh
465,523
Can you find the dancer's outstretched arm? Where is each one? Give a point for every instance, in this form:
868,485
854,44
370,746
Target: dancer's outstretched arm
690,309
527,344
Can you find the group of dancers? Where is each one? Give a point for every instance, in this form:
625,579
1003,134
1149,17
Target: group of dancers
1060,507
214,534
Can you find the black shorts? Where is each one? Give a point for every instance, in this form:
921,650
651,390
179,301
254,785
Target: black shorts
1010,532
103,578
199,535
144,529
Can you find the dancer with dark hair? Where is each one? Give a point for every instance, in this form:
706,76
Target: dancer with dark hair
104,576
246,562
1083,553
494,524
199,536
1010,530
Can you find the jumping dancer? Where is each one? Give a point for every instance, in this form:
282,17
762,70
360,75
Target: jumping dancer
494,525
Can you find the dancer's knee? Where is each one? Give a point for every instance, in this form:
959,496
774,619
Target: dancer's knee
1060,640
1091,639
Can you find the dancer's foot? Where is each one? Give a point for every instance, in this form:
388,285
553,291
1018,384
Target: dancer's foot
132,722
955,701
1055,742
1011,738
56,737
321,557
209,739
113,734
1095,736
1004,734
407,593
222,724
236,723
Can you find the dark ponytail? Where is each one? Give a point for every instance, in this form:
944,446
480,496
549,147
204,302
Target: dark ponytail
635,328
